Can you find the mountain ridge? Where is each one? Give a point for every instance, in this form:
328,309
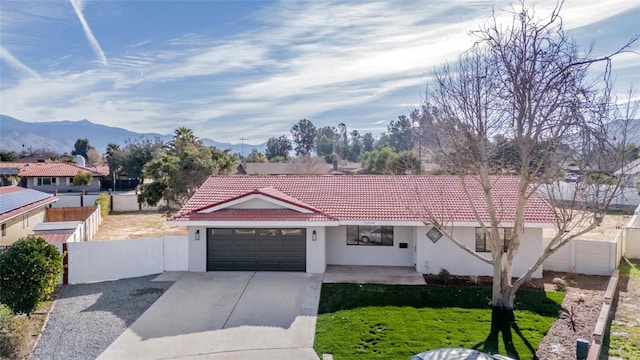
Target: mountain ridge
60,136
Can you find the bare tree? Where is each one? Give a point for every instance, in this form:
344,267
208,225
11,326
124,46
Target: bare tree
527,82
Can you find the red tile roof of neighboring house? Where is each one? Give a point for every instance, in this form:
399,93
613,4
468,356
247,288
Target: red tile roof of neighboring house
16,201
52,169
55,169
400,198
9,189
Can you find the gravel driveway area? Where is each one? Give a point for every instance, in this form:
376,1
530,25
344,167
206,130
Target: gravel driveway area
87,318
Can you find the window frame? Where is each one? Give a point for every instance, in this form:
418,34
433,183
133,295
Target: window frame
387,235
4,229
52,181
503,231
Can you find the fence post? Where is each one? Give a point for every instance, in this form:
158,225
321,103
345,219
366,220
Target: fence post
65,264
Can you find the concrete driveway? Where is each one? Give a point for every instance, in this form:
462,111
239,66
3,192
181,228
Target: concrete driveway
227,315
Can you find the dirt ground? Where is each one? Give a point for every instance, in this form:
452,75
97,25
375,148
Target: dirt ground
582,303
118,226
607,231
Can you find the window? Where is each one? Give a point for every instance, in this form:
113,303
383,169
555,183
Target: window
46,181
481,239
370,235
4,229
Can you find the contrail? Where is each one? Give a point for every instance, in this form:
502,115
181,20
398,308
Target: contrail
7,57
77,7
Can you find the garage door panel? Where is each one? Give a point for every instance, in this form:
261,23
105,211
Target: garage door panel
270,251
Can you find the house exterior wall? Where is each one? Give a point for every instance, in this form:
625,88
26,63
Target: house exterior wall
197,253
256,204
316,250
62,185
339,253
22,226
444,254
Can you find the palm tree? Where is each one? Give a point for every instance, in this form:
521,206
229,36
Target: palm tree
181,137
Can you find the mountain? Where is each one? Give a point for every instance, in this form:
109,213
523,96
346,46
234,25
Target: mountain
60,136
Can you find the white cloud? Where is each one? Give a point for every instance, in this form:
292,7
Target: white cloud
78,5
12,61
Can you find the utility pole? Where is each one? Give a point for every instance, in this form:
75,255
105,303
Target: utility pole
242,151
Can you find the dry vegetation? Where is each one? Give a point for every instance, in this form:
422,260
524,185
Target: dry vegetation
119,226
607,231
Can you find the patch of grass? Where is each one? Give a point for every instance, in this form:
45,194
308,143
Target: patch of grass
624,336
630,267
624,341
396,322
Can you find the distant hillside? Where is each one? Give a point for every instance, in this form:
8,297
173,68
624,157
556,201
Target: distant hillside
60,136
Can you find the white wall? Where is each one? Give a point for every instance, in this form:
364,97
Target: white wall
632,243
316,250
589,257
444,254
176,253
197,249
339,253
119,259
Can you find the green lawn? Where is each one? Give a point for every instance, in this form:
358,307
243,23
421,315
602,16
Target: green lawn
396,322
624,334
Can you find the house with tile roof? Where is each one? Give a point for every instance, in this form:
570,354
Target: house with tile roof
21,210
304,223
53,177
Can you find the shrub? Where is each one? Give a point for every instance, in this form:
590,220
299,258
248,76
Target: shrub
104,203
444,275
560,283
29,272
82,179
14,338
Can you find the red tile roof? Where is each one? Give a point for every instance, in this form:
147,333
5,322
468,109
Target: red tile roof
404,198
240,215
9,189
49,169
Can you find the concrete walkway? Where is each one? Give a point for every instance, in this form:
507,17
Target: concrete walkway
388,275
227,315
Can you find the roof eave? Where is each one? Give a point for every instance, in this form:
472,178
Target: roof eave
285,224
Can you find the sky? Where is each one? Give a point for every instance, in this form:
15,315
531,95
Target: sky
251,69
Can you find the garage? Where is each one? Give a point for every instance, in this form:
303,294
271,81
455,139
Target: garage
256,249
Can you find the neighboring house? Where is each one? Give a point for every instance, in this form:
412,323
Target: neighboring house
304,223
312,166
21,210
54,176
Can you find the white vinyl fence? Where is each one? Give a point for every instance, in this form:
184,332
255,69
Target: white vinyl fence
119,259
590,257
632,237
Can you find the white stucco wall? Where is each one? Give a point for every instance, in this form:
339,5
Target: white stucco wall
256,204
339,253
197,249
316,250
446,255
